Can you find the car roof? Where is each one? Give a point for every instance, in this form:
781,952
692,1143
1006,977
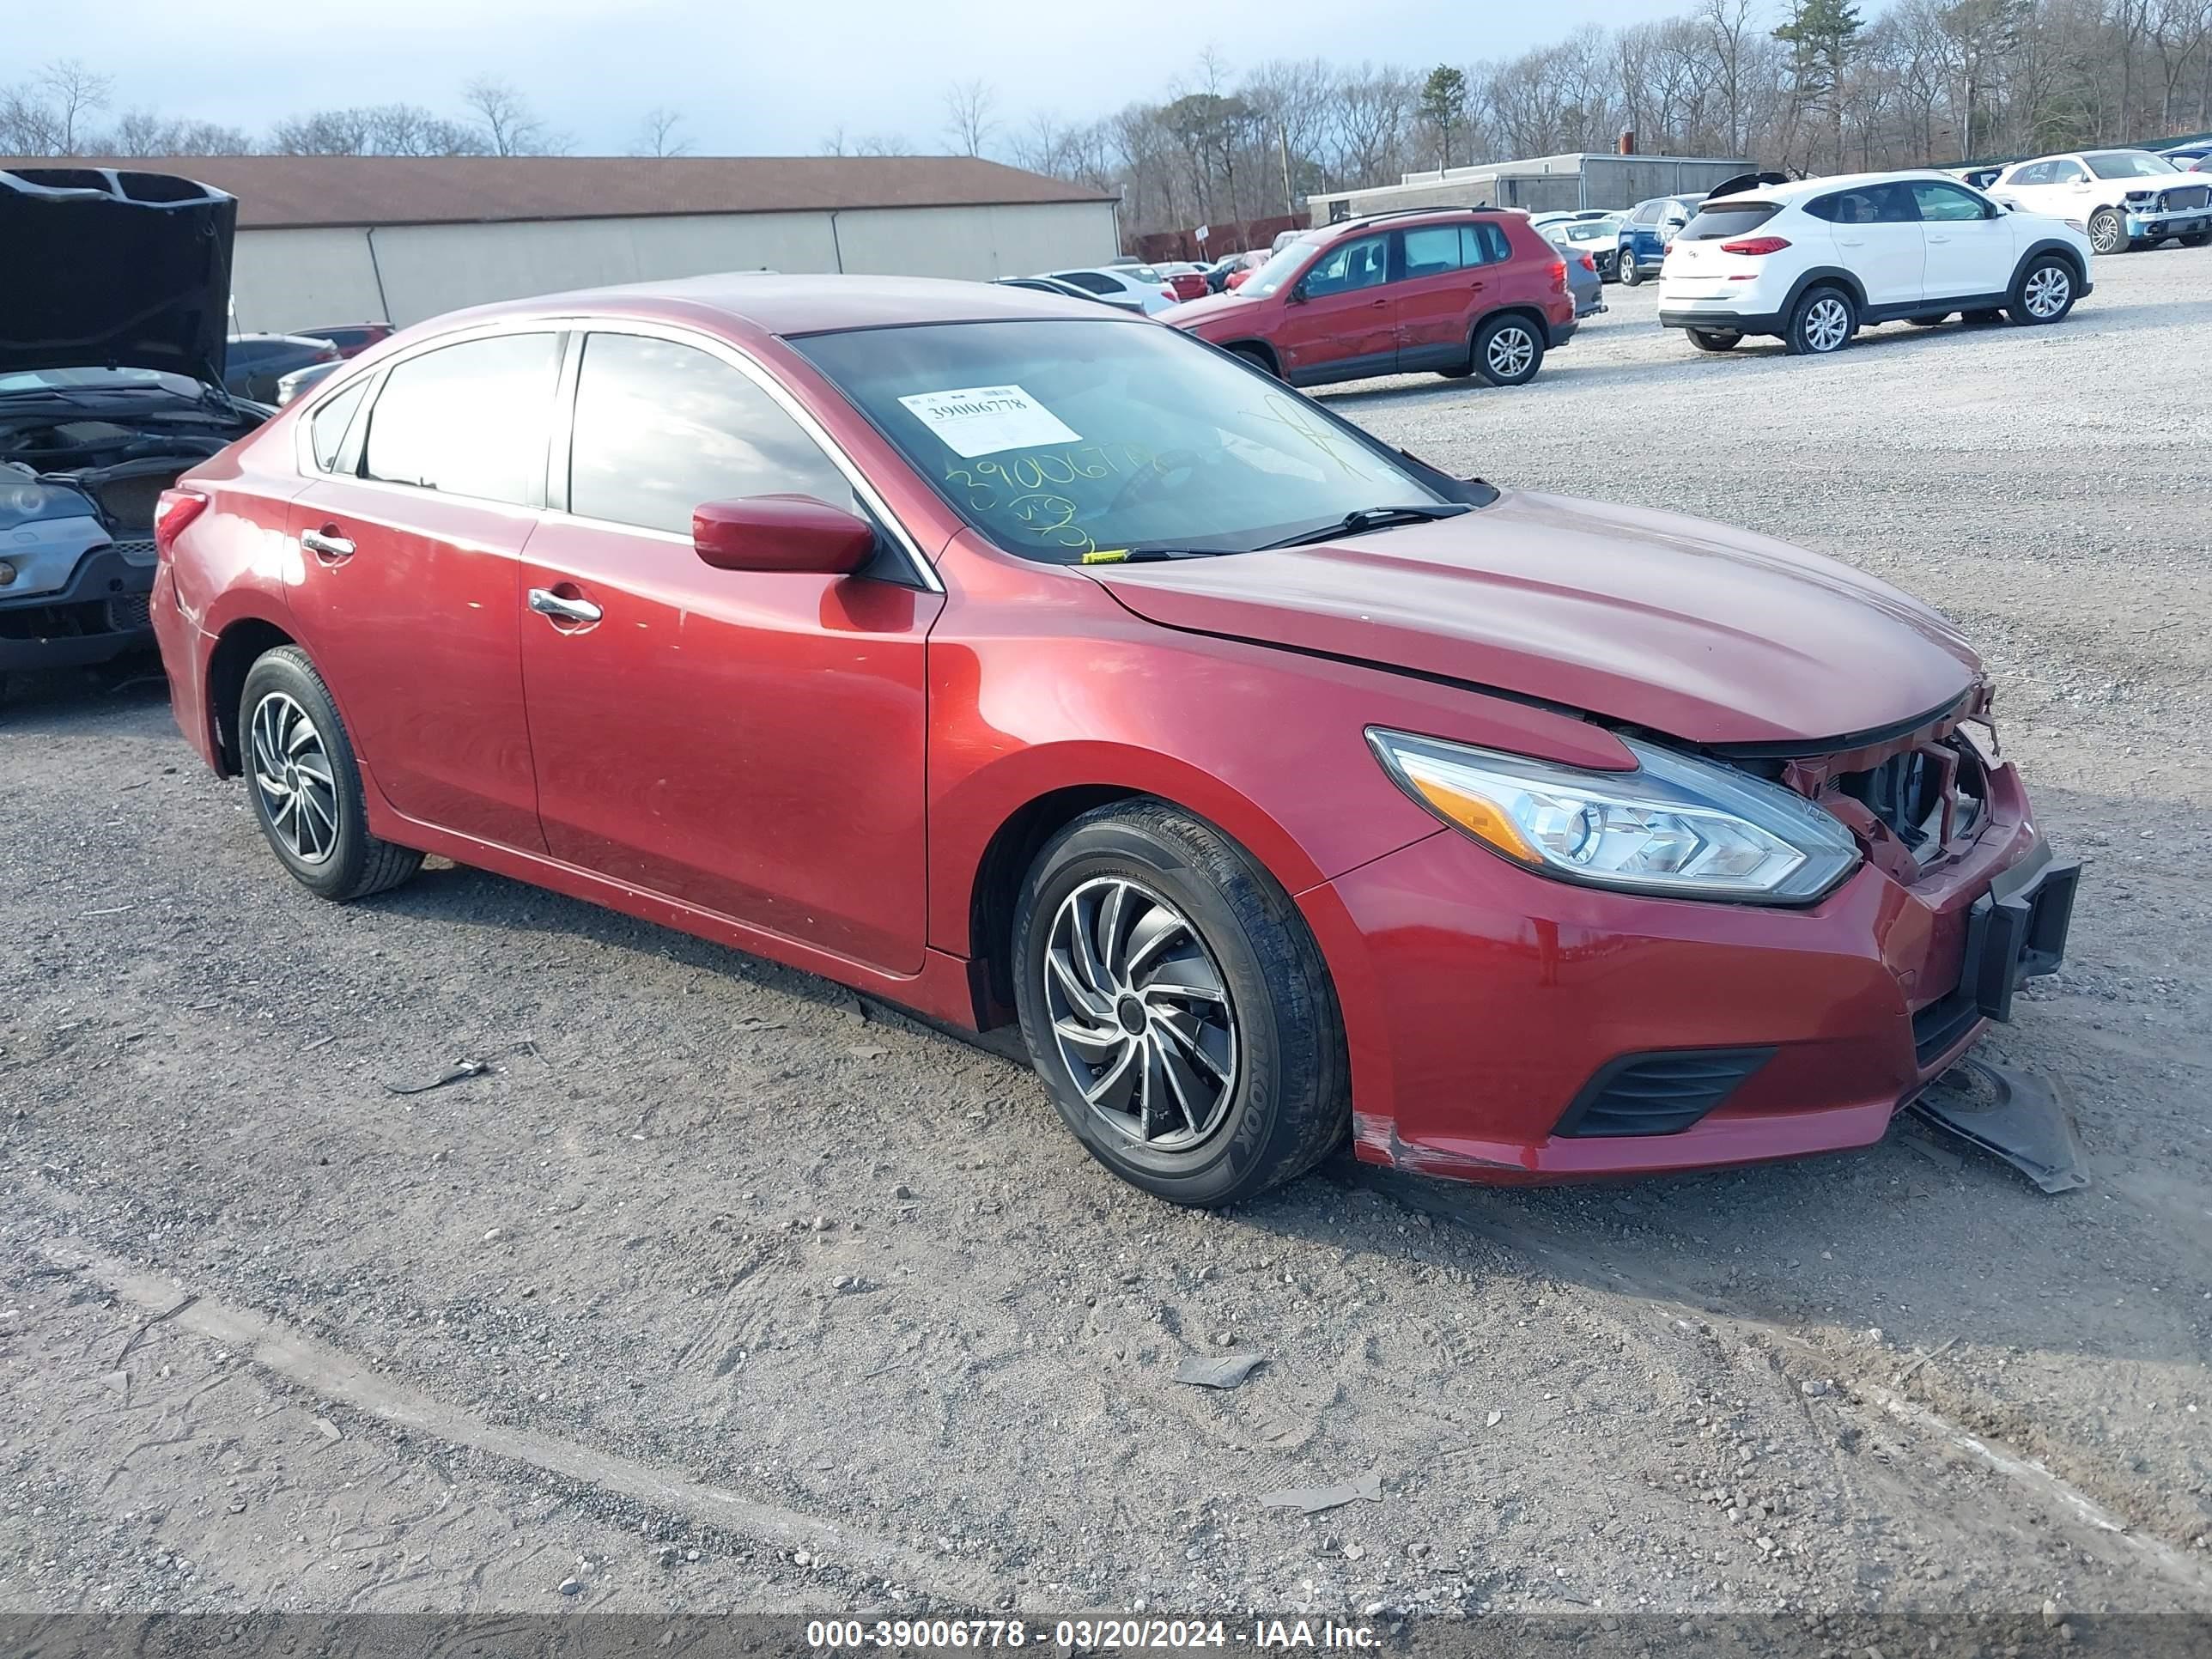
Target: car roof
765,303
1798,190
1401,218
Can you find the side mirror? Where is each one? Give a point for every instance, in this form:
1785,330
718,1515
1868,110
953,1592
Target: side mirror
781,532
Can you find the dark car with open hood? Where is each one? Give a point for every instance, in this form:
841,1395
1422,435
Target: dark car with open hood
114,301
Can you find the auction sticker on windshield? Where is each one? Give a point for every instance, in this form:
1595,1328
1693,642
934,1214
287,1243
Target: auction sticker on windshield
981,420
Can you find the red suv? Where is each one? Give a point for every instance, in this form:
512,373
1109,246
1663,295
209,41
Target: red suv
1459,291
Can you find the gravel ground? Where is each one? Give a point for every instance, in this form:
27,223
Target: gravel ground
723,1290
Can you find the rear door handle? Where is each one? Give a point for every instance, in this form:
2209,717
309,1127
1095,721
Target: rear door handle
547,604
325,545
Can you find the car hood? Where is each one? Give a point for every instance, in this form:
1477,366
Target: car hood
1709,634
1191,313
111,269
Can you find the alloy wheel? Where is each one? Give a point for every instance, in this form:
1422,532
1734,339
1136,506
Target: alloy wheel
1827,324
2048,290
1141,1015
1509,351
292,770
2104,233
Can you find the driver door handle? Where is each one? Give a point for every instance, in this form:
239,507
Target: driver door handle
326,546
552,604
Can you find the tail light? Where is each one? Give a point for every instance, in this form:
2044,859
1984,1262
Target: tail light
1559,273
1756,245
1590,265
1167,290
175,510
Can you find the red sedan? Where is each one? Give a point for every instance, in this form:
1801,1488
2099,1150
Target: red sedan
1010,659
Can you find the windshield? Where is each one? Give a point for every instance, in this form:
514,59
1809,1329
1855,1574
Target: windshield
2129,164
1058,438
98,379
1278,268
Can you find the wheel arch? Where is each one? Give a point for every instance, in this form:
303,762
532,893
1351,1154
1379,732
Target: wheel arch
1531,314
1255,348
242,642
2066,251
1823,276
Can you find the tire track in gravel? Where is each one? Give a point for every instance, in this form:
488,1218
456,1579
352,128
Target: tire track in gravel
333,1376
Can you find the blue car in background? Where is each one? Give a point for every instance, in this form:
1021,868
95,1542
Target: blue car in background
1651,225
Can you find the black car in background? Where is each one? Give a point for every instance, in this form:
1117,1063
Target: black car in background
111,372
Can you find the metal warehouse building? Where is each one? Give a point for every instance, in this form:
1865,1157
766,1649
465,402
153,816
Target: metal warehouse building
1548,184
333,239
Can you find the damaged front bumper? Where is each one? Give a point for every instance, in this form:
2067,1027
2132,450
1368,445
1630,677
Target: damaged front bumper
1505,1028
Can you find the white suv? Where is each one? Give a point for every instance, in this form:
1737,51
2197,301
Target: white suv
1813,261
2124,198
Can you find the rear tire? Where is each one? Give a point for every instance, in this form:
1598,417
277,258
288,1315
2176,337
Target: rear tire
1246,1089
2108,232
1508,350
1714,339
2044,291
306,786
1823,323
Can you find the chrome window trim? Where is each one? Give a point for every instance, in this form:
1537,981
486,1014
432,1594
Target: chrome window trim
924,572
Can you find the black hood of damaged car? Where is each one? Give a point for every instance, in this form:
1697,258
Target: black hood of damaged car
105,268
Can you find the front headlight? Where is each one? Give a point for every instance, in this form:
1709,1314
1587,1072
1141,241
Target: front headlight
35,503
1675,825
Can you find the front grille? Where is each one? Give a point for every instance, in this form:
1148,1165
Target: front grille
1660,1094
2185,198
1910,794
141,551
130,611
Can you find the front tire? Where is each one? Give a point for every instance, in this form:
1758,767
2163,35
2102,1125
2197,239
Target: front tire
1823,323
2042,292
1508,350
1714,339
1177,1007
2108,232
1258,359
306,786
1630,275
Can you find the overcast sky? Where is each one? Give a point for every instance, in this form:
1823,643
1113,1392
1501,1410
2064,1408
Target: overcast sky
751,76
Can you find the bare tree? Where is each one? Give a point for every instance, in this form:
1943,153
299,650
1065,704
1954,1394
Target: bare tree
658,135
970,116
510,126
142,132
73,91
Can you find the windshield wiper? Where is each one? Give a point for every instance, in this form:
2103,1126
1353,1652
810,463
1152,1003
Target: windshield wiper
1363,519
1151,555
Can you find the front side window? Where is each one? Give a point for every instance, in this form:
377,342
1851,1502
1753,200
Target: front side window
661,428
2129,164
1946,203
468,420
1365,261
1647,213
1058,438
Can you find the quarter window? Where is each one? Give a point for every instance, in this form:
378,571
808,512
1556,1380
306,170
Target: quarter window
468,420
327,428
1483,244
661,428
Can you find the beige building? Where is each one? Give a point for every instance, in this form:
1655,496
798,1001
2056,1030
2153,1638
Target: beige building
323,239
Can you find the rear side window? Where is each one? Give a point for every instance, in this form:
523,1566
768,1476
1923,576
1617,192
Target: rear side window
662,427
1870,205
1432,250
327,427
468,420
1724,219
